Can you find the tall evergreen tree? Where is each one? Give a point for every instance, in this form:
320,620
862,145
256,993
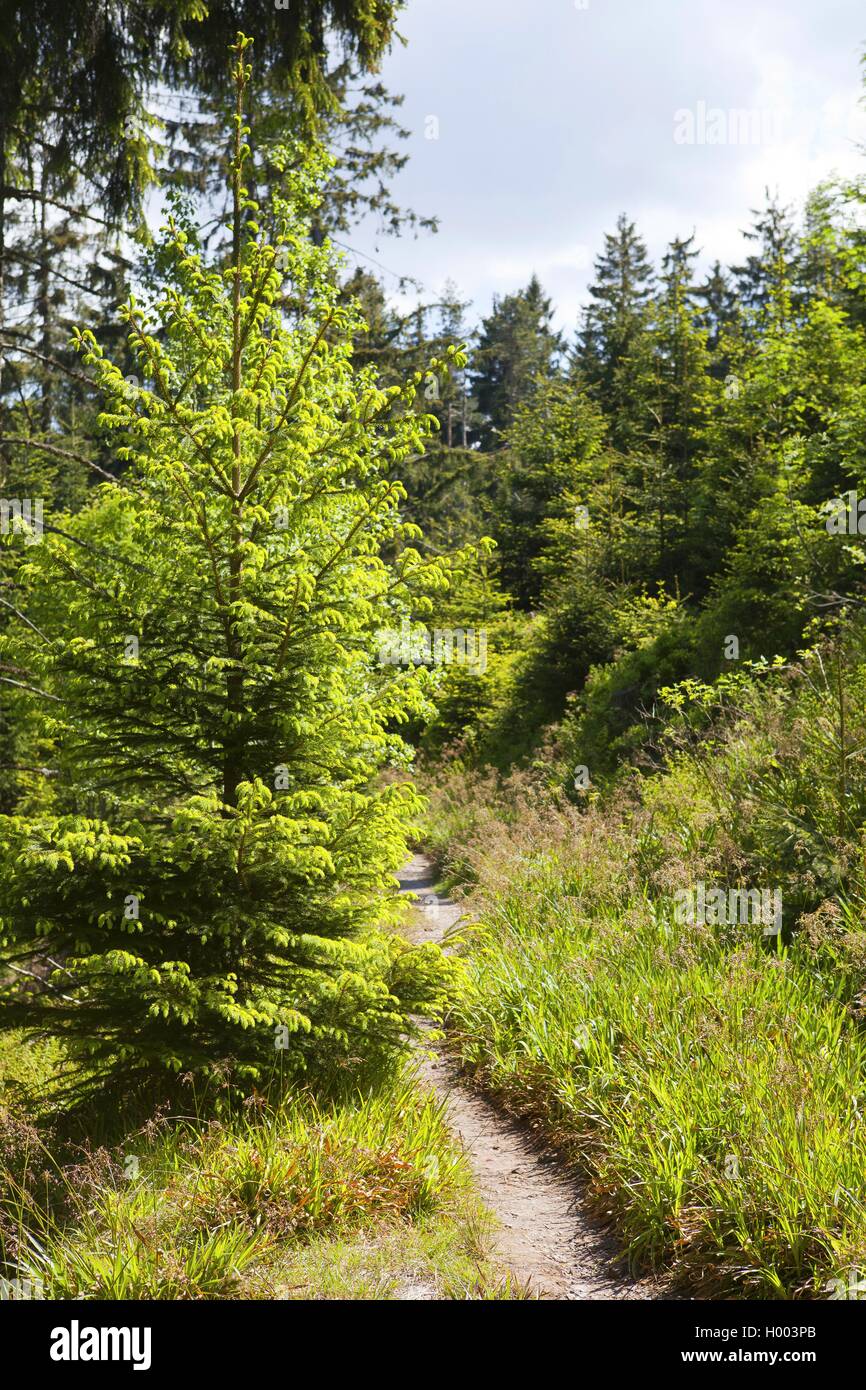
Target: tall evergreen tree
720,313
758,278
610,356
516,347
548,497
679,408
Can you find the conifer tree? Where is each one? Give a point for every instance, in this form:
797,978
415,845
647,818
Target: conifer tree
551,473
611,353
517,346
197,652
720,310
760,276
679,407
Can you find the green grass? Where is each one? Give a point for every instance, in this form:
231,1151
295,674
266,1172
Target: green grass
362,1196
712,1089
715,1096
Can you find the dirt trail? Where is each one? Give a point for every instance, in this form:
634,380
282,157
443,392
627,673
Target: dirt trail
543,1234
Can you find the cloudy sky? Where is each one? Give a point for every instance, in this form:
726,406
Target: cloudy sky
536,122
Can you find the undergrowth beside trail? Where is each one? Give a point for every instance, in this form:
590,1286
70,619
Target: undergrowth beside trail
709,1080
360,1196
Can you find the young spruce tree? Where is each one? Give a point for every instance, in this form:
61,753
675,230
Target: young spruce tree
200,885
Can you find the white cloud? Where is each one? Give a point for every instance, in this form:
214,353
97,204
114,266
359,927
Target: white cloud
555,119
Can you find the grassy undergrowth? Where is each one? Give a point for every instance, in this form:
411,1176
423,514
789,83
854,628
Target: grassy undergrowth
711,1083
364,1196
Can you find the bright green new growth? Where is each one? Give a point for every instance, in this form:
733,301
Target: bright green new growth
200,648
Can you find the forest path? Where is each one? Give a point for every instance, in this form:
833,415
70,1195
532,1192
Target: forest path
544,1237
